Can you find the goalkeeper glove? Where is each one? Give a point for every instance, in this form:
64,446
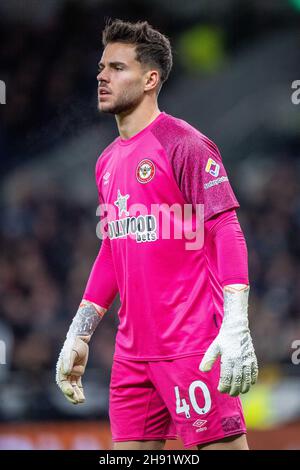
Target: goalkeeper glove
234,344
73,357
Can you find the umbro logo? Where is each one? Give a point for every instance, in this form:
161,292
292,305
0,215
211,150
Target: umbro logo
199,423
106,178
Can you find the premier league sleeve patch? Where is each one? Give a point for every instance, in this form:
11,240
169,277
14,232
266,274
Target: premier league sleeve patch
145,171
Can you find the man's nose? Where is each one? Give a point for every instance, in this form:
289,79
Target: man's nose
102,76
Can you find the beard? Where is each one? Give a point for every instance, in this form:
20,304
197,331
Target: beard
124,104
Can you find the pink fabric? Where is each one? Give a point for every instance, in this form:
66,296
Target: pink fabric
171,297
189,152
228,250
143,406
102,286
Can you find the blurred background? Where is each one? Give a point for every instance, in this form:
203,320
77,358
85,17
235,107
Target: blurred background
235,63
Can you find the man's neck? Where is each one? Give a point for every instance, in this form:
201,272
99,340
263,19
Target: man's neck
134,122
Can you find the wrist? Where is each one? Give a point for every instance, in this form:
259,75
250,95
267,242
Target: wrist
236,305
100,310
86,320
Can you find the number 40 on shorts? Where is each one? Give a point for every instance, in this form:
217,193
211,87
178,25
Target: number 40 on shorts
183,407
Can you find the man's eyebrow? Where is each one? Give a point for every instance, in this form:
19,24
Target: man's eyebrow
100,64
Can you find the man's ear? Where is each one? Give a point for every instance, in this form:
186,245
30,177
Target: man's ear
152,80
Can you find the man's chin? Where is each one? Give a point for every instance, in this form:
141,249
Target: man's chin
116,109
105,109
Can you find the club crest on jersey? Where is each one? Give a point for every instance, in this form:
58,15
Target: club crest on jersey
145,171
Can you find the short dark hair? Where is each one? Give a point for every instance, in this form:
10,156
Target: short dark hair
152,47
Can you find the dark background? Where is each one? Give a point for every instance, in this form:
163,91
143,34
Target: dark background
234,65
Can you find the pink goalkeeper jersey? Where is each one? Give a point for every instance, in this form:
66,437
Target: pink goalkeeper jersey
171,297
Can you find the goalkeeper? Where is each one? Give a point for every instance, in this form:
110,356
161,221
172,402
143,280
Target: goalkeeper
183,350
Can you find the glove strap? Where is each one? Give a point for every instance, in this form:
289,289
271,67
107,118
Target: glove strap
86,320
236,305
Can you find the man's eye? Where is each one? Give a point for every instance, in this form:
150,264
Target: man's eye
119,68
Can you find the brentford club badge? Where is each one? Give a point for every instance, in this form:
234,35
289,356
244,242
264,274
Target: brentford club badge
145,171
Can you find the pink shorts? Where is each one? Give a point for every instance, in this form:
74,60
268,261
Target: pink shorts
170,399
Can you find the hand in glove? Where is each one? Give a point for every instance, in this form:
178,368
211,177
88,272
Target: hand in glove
239,368
71,366
73,357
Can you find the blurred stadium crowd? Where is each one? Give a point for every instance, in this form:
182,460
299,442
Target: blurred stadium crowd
48,240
